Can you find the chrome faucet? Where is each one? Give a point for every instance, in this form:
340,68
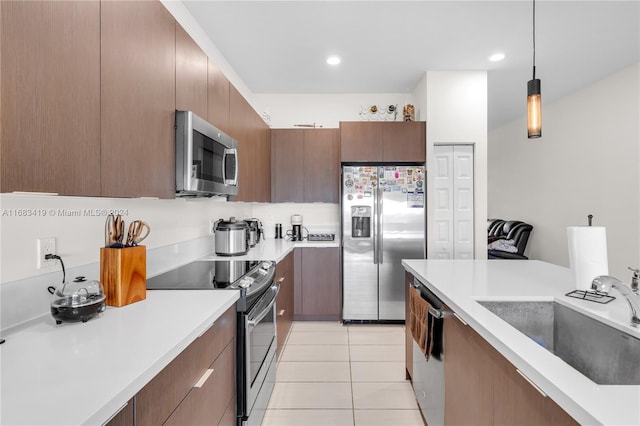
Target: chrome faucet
604,283
634,279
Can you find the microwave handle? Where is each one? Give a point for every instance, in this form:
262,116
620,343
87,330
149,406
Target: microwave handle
234,152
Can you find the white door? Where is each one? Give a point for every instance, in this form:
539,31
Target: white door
453,220
443,201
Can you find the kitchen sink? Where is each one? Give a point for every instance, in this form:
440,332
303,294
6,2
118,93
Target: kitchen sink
603,353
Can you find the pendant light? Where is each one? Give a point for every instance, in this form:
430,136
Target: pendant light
534,101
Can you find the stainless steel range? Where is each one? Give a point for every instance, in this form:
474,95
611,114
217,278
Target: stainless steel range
256,334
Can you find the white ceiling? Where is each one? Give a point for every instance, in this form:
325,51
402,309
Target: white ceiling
385,46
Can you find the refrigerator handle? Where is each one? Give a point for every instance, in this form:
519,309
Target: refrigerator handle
379,233
374,228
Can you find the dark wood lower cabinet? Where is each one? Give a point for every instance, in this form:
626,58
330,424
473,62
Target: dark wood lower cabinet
483,388
284,303
468,375
229,417
408,338
318,288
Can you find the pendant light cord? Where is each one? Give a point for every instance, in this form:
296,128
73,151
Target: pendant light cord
534,39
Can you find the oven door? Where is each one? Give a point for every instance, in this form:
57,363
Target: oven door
260,326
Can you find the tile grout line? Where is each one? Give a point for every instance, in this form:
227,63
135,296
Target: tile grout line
353,403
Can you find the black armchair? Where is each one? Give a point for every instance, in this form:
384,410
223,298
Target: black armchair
510,230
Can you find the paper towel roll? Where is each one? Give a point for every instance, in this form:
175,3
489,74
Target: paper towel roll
587,254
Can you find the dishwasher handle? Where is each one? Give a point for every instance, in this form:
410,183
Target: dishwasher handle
437,313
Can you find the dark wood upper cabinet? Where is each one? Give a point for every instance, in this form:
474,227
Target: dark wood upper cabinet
218,97
191,74
404,141
321,165
305,165
287,170
240,130
366,141
50,97
360,141
254,147
138,63
263,161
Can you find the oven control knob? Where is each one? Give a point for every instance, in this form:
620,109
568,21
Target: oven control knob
246,282
265,266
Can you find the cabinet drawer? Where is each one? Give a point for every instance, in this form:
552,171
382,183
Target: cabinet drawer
206,405
157,400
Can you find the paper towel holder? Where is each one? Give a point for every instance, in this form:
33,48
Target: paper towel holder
590,219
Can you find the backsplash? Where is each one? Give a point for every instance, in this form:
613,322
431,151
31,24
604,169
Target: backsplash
179,233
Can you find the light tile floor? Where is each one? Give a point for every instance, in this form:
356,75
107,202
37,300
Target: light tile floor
330,374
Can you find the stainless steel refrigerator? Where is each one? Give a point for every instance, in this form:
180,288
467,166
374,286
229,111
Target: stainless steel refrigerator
383,222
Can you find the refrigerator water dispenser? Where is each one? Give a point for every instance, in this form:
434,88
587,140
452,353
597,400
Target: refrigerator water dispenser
361,222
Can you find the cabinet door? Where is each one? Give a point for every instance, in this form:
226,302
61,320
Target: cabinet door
360,141
321,290
191,74
218,97
404,141
516,401
50,98
240,129
408,350
469,383
321,164
262,161
287,170
138,65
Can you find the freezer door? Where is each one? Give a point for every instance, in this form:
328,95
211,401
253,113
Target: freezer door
402,236
360,273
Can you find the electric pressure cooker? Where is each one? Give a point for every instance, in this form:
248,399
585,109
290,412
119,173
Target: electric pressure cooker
231,237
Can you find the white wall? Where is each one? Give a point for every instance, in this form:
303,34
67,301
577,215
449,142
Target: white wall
587,162
454,105
326,110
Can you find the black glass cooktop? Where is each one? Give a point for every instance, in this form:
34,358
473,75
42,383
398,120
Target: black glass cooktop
202,275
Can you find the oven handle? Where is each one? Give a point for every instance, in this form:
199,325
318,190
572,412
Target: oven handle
275,289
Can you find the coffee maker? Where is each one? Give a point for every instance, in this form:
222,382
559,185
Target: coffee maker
296,222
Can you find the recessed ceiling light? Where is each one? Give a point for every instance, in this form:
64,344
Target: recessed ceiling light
333,60
496,57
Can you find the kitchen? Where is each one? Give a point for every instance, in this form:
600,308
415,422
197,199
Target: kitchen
79,238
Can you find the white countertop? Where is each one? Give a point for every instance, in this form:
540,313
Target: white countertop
461,283
276,250
77,373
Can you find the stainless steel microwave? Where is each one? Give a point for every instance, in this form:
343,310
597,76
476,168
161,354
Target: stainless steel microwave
206,158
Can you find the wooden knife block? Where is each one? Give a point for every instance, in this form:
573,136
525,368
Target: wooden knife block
123,274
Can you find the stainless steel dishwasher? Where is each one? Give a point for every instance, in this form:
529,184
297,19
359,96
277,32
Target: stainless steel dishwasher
428,373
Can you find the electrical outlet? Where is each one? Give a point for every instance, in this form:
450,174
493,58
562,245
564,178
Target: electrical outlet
46,246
